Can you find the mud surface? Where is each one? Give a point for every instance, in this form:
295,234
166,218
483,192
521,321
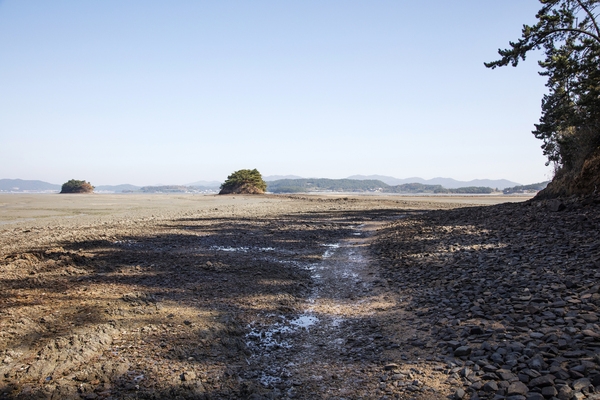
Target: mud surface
209,297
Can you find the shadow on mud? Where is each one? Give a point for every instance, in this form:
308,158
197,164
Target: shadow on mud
160,315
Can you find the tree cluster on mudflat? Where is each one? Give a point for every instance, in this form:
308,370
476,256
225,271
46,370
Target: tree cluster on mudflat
568,32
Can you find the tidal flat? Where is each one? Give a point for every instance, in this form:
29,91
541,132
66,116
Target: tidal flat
303,296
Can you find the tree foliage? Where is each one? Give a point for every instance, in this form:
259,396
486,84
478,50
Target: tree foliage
244,181
75,186
569,34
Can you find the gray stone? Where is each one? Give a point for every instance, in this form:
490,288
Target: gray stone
595,379
542,381
506,375
537,362
581,384
579,396
556,205
459,394
490,387
517,388
549,391
590,333
462,351
535,396
565,393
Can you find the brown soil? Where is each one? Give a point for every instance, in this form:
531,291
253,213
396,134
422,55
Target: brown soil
584,182
217,297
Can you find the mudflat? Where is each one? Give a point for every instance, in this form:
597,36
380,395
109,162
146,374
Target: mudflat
41,208
169,296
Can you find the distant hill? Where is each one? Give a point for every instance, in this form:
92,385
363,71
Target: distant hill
20,185
177,189
280,177
156,189
448,183
533,188
367,185
320,185
117,188
205,184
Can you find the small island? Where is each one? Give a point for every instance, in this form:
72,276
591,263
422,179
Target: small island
244,181
76,186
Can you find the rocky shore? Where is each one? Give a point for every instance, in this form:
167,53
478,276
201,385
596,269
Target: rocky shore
508,297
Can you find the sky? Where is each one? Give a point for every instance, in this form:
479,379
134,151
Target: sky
147,92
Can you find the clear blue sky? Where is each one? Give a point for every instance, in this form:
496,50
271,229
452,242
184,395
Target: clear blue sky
148,92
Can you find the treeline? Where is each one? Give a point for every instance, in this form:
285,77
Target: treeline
355,185
324,185
534,187
468,190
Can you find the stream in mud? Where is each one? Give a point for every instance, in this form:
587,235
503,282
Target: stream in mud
292,352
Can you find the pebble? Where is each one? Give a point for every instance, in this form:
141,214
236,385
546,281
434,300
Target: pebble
513,288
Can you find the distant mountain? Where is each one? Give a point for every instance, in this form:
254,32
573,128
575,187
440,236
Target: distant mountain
280,177
116,188
20,185
206,184
448,183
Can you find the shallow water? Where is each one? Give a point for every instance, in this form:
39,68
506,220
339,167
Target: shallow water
242,249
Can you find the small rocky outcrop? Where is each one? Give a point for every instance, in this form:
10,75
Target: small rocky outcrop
76,186
244,181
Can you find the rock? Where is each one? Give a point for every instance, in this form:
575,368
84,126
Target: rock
517,388
506,375
535,396
556,205
188,376
476,330
578,396
549,391
537,362
466,371
591,318
595,379
391,366
462,351
565,393
490,387
590,333
542,381
581,384
459,394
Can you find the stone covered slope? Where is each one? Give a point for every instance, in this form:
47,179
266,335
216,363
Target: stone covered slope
508,296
